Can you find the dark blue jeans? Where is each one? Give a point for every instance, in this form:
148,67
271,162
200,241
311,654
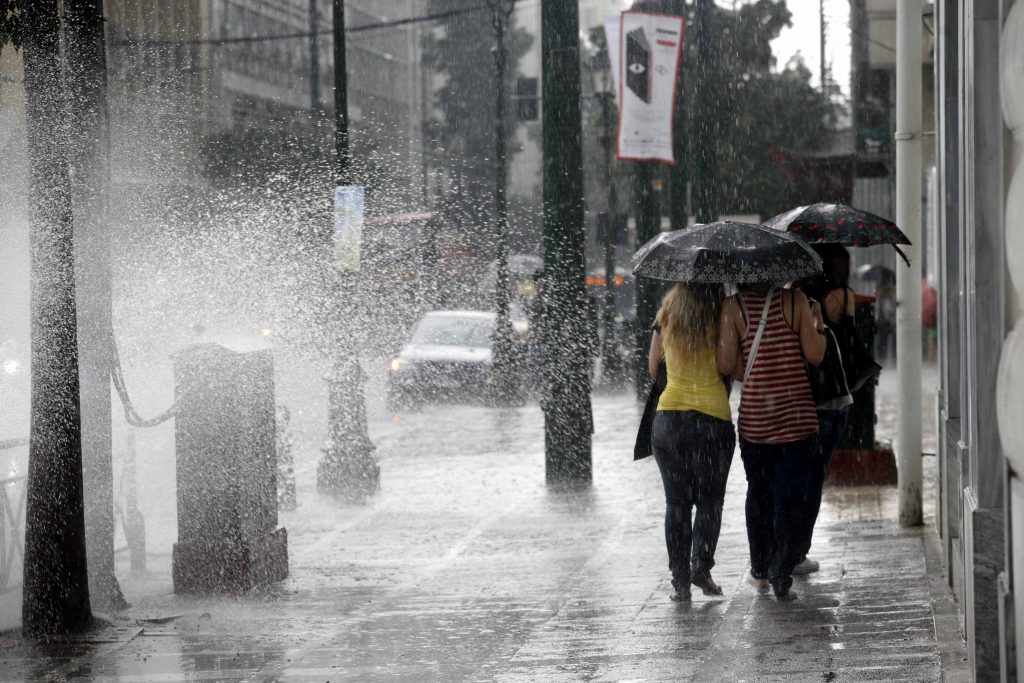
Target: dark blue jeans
777,476
831,425
694,453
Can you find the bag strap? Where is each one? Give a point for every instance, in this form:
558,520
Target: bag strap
839,358
760,333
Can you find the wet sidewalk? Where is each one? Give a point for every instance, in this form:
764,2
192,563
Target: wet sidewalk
467,567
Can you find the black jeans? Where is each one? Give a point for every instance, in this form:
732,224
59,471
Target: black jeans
831,425
694,452
777,476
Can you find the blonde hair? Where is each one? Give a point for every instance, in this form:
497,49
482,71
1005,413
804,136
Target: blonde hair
688,317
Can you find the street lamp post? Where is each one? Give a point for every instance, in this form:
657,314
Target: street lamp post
348,468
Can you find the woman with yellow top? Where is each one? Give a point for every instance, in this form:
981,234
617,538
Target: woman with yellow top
693,437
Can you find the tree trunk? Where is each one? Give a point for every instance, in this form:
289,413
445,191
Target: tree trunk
86,77
568,420
504,374
56,588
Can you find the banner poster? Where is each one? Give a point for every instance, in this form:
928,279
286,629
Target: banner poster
348,226
649,50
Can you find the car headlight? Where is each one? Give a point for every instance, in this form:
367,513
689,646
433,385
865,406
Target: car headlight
395,364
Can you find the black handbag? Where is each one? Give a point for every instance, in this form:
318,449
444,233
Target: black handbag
642,448
858,360
828,379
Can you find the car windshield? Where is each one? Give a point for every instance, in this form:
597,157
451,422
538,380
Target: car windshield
453,331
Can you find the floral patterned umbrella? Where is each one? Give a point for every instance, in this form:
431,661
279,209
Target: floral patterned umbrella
726,252
824,223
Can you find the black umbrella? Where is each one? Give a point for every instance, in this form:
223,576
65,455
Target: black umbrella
825,223
726,252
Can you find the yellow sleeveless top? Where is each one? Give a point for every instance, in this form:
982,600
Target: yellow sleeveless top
694,384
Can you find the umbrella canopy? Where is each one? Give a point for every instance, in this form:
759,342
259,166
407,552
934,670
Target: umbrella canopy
870,272
726,252
824,223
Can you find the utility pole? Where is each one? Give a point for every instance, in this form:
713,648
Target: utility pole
343,161
314,63
648,225
611,370
56,583
568,420
348,468
908,280
86,64
822,29
679,211
703,138
505,371
859,53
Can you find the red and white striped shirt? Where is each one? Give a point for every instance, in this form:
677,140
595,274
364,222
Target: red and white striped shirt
776,405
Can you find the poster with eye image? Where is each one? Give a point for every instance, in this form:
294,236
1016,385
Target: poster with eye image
645,60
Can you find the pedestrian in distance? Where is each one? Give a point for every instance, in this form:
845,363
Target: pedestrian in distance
830,381
929,321
885,322
692,435
770,332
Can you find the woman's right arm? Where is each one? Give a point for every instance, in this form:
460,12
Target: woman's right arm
727,355
811,327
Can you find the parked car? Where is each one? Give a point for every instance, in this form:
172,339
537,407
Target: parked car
448,356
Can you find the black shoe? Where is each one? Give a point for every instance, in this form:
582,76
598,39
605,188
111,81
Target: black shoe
680,595
788,595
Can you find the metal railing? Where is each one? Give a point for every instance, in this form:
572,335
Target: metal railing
12,523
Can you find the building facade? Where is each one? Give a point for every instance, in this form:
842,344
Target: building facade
873,109
187,75
979,147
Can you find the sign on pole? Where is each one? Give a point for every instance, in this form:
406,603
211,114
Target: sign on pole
644,49
348,226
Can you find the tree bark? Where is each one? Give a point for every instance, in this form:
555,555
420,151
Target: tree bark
504,374
56,588
568,420
86,77
648,224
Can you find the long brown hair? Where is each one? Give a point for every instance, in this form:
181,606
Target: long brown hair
688,317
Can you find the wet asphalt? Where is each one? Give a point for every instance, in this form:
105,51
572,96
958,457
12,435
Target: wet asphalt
466,566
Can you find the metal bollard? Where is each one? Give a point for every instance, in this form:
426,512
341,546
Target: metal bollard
134,522
286,497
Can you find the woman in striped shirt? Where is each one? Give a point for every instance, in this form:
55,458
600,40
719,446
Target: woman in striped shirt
778,423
